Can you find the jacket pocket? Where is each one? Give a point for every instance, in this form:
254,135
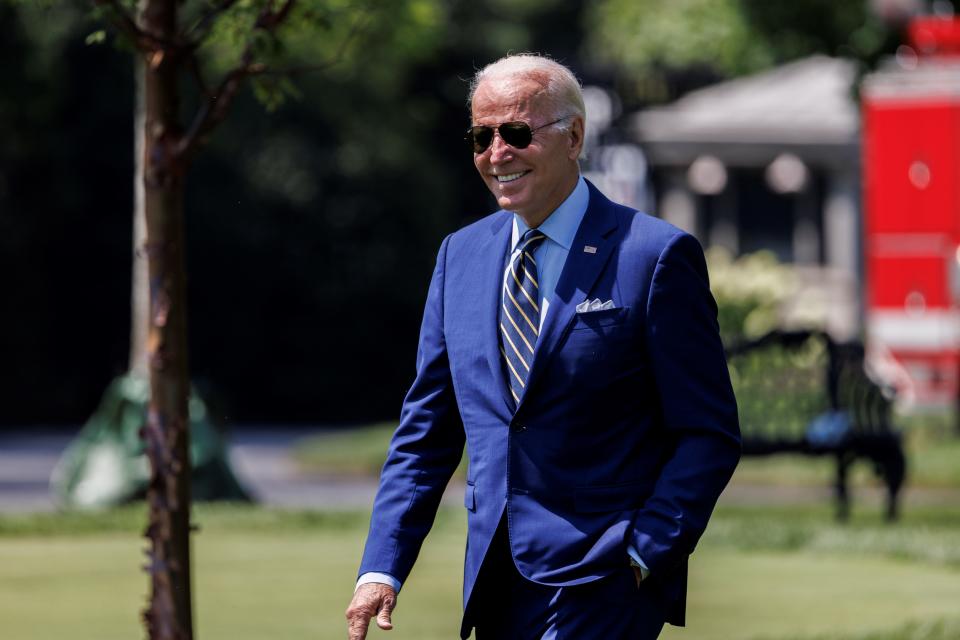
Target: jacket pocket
470,497
597,319
612,497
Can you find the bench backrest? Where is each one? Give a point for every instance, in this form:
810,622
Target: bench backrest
786,380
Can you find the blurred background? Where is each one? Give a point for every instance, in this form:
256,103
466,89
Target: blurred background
813,147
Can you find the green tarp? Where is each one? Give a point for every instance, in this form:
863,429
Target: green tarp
105,464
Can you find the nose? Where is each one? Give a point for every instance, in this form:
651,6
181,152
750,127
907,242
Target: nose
500,151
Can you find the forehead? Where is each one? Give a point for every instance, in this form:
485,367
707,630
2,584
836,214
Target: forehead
499,100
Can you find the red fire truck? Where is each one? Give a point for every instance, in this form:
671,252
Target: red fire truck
911,165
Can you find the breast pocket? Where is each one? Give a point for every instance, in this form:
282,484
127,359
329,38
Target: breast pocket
600,321
599,348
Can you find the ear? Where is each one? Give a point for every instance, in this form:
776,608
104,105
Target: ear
576,138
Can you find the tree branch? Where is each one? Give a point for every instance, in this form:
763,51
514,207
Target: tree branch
217,105
269,20
218,102
197,33
212,112
124,22
194,65
355,29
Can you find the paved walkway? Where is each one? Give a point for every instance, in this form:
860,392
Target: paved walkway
26,460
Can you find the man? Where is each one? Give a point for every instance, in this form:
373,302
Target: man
572,344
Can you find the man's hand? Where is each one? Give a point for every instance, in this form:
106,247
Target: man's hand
369,600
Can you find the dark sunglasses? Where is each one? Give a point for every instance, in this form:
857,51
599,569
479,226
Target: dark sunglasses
517,134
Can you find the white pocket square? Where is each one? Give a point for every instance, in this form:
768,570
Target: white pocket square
596,304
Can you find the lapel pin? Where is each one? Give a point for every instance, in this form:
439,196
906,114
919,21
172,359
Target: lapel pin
589,249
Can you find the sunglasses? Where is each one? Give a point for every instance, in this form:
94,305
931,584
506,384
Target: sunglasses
517,134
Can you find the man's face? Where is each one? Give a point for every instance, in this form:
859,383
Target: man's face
533,181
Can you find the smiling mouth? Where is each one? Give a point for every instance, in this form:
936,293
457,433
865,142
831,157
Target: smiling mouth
510,177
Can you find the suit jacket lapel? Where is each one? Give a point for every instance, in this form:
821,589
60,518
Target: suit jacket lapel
579,273
492,263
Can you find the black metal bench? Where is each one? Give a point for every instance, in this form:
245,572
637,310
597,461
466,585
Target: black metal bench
801,392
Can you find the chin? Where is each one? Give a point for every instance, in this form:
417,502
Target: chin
511,202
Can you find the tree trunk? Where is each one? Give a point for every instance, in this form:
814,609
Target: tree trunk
139,291
166,433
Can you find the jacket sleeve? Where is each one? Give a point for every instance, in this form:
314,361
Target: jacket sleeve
699,412
424,452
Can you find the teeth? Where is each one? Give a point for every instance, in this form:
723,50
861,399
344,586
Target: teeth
510,177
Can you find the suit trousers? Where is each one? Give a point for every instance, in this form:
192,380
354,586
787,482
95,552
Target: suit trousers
507,606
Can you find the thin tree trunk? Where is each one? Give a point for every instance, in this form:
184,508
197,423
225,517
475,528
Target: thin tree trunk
166,433
139,294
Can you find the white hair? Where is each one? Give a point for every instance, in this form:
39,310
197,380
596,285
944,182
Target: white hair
560,85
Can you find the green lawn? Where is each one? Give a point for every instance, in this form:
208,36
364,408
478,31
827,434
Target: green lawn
354,451
760,573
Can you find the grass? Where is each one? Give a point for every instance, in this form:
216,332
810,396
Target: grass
258,574
759,574
770,573
933,458
771,595
207,516
926,535
358,451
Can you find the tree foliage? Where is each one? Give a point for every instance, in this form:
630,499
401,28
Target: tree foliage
341,193
649,39
639,34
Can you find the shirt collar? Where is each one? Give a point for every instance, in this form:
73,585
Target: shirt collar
561,225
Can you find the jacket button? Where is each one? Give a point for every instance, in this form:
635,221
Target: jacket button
517,427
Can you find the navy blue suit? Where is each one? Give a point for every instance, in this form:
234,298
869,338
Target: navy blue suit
626,432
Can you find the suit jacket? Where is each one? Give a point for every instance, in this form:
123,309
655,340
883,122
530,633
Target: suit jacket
626,432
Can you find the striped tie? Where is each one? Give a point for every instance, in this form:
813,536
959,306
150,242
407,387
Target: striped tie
520,312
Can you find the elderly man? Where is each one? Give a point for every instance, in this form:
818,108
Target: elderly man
571,343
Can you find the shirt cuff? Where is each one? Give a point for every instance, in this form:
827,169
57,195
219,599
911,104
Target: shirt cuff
382,578
637,561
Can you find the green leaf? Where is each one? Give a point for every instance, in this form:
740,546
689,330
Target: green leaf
97,37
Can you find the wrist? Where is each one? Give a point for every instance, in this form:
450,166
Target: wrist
379,578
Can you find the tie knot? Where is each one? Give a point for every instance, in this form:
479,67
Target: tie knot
530,240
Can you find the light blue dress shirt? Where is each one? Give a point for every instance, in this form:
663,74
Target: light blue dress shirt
560,227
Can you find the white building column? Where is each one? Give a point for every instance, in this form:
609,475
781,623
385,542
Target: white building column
842,249
806,231
841,225
678,205
725,230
